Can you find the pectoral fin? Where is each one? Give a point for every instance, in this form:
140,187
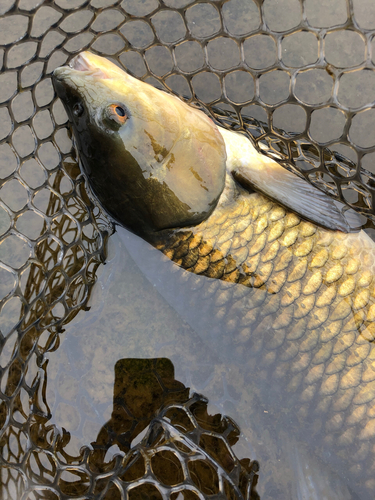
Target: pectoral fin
256,171
297,194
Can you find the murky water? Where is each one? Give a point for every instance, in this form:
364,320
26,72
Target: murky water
143,307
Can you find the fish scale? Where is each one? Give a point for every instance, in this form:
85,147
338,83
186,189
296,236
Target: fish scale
313,325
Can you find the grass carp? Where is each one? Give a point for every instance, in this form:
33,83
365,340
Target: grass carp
307,301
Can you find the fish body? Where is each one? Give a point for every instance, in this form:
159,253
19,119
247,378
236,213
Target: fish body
306,293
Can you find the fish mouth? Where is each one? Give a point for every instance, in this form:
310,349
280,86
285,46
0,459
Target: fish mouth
81,65
85,62
84,71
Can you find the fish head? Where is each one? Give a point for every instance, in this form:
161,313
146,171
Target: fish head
153,161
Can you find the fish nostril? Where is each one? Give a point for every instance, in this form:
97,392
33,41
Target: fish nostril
78,109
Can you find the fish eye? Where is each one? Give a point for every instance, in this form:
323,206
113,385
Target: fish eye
78,109
120,111
115,115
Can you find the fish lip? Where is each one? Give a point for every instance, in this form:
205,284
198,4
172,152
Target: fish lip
66,72
82,64
60,73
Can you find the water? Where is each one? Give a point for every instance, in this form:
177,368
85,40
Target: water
129,318
293,450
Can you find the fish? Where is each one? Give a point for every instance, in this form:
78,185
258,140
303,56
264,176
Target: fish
302,271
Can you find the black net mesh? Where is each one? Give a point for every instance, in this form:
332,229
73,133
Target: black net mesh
185,453
301,86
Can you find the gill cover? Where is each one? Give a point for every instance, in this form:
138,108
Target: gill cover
153,161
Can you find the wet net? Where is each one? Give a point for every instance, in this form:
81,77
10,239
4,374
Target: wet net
300,85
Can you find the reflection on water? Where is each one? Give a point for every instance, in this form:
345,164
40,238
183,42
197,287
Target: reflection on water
185,451
127,317
158,443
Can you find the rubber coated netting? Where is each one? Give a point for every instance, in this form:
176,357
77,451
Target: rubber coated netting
301,85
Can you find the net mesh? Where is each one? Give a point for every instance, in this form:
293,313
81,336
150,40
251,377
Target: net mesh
299,85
